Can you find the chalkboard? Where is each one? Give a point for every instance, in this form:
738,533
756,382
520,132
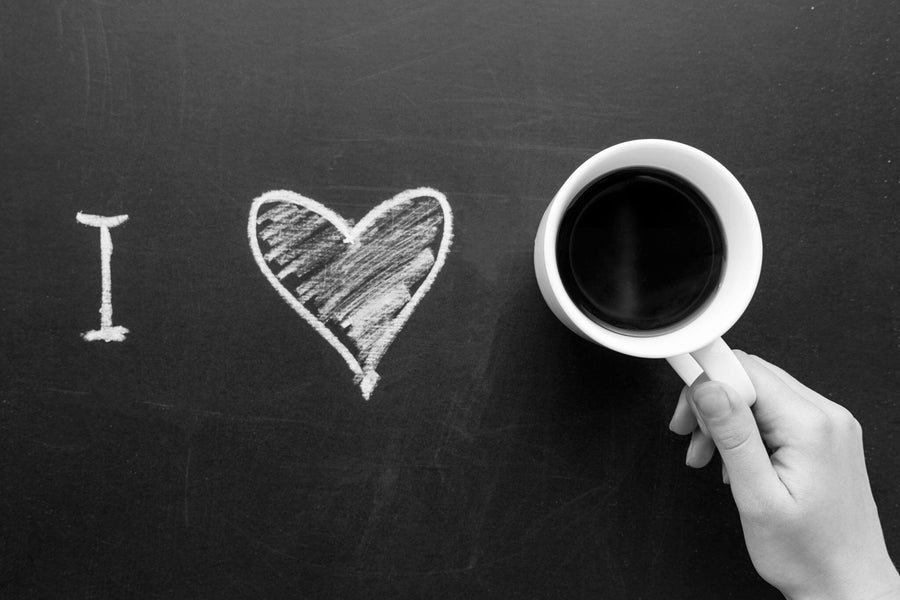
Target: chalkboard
224,448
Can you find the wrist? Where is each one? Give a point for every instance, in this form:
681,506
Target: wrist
862,583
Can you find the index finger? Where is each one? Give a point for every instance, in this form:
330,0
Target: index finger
778,405
792,382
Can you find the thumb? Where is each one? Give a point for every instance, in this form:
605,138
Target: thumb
730,423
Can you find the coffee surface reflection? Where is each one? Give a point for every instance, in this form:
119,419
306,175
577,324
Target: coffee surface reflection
640,249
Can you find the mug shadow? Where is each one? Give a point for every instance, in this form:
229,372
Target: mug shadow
535,355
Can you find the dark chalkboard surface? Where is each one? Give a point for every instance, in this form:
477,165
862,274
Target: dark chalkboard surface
224,449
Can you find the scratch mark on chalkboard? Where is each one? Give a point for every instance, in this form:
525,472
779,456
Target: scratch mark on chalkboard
59,25
187,479
214,414
87,73
412,62
383,496
107,67
497,88
464,143
62,391
182,93
356,285
370,29
266,546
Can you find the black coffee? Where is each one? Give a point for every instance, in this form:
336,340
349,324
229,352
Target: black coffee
639,249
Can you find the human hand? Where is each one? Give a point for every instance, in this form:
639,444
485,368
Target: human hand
809,519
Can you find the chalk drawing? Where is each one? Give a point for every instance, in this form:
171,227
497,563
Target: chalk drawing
356,285
107,332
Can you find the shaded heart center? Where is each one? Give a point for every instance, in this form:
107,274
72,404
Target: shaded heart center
359,283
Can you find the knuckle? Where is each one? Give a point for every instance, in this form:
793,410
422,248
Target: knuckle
845,424
844,418
837,422
819,424
853,427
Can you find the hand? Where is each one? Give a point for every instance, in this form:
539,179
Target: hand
807,511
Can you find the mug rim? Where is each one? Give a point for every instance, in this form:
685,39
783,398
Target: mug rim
740,231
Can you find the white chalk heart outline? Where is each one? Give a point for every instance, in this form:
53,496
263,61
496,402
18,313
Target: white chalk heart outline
365,376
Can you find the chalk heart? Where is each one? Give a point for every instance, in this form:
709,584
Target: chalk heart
356,285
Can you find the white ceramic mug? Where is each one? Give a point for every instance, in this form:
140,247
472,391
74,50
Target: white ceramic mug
694,345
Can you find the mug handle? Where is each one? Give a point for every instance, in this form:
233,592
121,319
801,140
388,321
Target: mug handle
719,362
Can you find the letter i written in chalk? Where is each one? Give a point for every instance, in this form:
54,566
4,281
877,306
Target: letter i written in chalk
107,332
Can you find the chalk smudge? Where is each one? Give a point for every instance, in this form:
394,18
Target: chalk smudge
356,285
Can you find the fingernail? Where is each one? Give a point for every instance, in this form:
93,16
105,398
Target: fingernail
711,401
681,397
690,453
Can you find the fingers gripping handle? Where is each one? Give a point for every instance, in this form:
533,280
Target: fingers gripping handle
720,364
